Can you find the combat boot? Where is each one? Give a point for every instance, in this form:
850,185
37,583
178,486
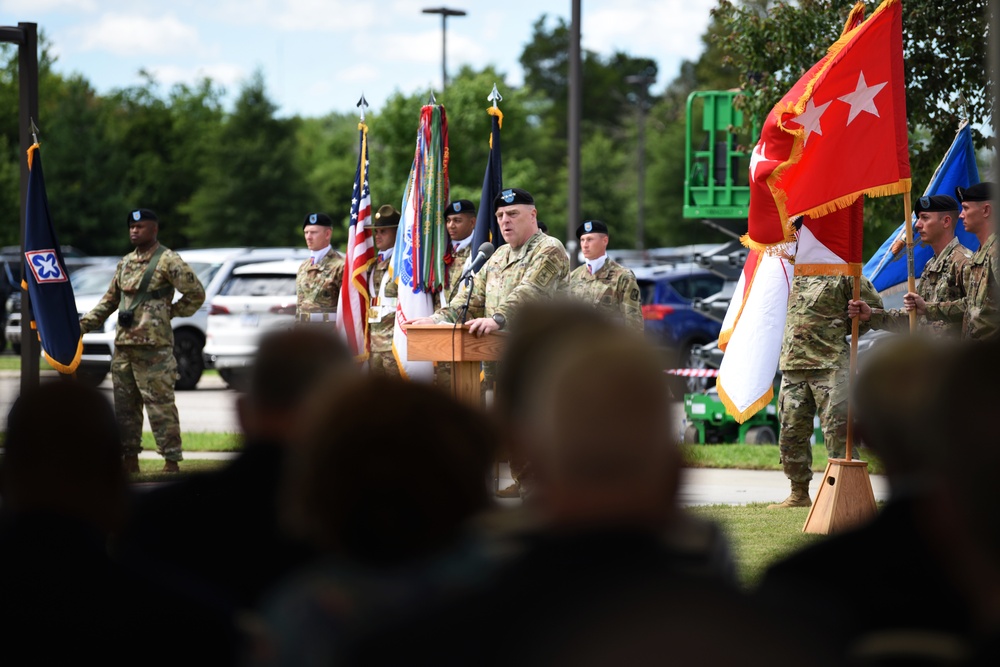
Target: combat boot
130,464
171,466
798,498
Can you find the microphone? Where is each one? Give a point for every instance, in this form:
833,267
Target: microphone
486,251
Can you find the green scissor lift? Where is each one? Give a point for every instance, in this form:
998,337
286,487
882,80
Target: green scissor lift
709,423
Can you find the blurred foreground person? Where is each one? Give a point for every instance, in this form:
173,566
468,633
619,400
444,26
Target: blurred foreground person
906,607
222,527
358,493
594,582
63,599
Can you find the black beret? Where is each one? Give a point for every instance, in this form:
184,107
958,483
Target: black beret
936,204
140,214
387,216
461,206
977,192
591,227
512,196
542,227
317,220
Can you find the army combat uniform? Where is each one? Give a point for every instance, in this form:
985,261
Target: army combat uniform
612,290
940,282
459,259
815,358
382,318
143,369
317,288
978,310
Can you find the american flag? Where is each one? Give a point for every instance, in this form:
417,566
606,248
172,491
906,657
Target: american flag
355,298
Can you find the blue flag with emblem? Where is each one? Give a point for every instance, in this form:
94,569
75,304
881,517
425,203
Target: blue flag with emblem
487,228
887,267
53,306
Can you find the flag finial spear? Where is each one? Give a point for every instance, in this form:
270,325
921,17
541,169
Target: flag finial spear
34,131
963,109
362,104
431,100
495,96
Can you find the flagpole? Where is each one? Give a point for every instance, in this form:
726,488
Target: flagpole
911,281
855,329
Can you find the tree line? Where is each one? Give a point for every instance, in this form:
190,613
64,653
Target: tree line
247,176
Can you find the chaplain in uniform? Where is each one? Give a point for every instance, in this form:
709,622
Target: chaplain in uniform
941,279
143,369
603,282
382,311
317,284
978,311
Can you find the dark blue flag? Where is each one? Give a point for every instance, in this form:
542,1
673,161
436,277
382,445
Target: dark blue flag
487,228
887,267
52,303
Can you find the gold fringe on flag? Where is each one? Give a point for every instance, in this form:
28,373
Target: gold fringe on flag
742,415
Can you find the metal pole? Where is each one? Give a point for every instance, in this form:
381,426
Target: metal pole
444,52
575,104
640,222
28,82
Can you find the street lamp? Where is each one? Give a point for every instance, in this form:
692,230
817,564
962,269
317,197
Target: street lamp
445,12
642,82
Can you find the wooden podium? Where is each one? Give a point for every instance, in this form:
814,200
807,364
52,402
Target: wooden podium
455,345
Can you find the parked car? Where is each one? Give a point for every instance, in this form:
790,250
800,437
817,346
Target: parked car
256,298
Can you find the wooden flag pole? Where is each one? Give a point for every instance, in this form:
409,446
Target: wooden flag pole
911,281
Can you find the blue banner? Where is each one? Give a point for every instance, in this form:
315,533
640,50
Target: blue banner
487,228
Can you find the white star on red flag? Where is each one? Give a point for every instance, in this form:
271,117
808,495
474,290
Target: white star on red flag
863,98
809,119
759,155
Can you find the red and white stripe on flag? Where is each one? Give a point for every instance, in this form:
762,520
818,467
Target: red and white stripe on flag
355,297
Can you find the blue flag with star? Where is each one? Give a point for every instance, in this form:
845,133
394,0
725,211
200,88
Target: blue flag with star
53,306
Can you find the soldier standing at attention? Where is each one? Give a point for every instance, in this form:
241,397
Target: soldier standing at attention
941,279
603,282
460,221
978,309
143,369
382,313
815,360
317,284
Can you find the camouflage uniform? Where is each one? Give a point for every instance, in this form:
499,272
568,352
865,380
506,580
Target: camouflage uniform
317,286
612,290
978,309
815,358
442,370
143,369
381,320
941,281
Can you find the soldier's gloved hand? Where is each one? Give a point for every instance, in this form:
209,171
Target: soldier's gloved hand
859,308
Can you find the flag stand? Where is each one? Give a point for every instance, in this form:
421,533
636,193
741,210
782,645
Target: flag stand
845,497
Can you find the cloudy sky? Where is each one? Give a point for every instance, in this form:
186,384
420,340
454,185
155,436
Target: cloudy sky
318,56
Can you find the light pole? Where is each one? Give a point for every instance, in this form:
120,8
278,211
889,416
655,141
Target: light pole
573,130
642,82
445,12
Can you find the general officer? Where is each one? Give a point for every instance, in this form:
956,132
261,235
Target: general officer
382,311
531,266
317,283
603,282
143,369
978,311
941,279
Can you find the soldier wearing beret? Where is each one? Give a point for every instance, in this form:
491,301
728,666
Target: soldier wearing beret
143,368
382,311
603,282
460,222
978,309
317,284
530,266
941,279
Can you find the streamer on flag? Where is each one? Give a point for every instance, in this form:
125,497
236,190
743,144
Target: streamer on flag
53,306
417,263
887,267
352,305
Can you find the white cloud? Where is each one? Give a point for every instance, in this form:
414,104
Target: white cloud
127,35
668,28
337,16
357,74
225,74
31,8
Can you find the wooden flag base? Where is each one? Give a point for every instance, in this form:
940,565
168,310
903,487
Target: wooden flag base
845,498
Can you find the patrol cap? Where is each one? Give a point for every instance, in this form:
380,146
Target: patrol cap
591,227
317,220
512,196
977,192
461,206
936,204
387,216
140,214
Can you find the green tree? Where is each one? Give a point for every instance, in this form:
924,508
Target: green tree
253,188
328,150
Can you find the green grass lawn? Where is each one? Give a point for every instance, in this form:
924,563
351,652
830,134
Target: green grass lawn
759,457
150,470
195,441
